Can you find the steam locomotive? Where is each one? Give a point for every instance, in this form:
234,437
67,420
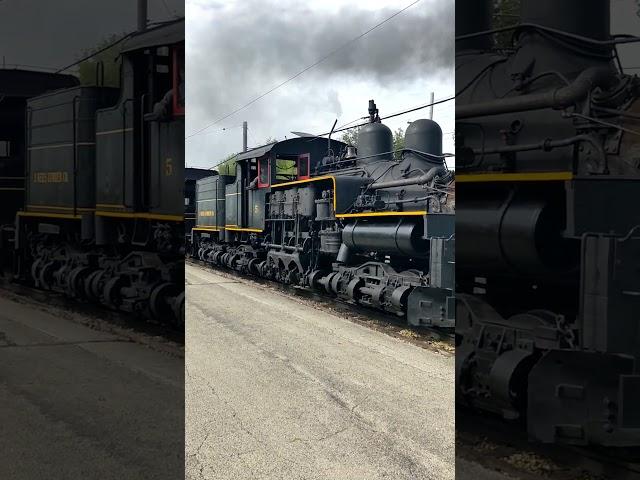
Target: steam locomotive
548,289
359,225
93,179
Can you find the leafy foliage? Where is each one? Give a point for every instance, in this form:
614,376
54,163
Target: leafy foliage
228,165
505,13
350,136
398,143
111,61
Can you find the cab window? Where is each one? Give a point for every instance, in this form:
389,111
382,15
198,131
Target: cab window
285,169
263,172
178,80
303,166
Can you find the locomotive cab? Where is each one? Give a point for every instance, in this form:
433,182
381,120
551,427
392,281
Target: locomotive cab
140,140
105,214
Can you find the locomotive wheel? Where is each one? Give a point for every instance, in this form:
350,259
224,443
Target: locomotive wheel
353,288
45,276
61,278
232,259
178,310
75,285
314,278
377,296
92,285
254,266
160,301
328,280
399,297
334,284
111,293
215,257
262,268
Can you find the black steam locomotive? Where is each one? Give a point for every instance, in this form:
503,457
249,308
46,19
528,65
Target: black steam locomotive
362,226
93,179
548,282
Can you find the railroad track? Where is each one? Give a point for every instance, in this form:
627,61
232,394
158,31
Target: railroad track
503,446
394,325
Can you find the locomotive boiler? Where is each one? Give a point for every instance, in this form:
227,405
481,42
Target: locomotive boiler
548,289
365,226
102,169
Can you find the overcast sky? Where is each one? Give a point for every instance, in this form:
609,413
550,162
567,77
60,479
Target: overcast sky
237,50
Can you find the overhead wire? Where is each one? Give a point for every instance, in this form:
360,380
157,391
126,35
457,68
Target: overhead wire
437,102
111,45
404,112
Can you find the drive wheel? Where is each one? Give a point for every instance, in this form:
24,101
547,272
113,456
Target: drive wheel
160,301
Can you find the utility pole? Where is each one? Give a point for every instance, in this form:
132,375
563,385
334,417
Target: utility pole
142,15
431,107
244,136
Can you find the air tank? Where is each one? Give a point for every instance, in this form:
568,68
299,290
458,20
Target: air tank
375,142
424,136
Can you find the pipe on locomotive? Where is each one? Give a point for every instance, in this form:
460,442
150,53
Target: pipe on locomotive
546,145
421,180
562,97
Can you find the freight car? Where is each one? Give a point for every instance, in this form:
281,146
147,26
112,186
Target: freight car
363,226
548,240
103,207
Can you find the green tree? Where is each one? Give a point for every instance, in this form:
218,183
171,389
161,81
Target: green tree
228,165
110,58
350,136
505,13
398,143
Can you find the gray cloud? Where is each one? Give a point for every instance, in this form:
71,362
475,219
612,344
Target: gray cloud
260,35
245,49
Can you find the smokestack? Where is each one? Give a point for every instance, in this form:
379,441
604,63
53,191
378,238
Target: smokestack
142,15
244,136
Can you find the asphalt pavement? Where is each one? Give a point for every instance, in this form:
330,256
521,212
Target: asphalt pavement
80,403
279,389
